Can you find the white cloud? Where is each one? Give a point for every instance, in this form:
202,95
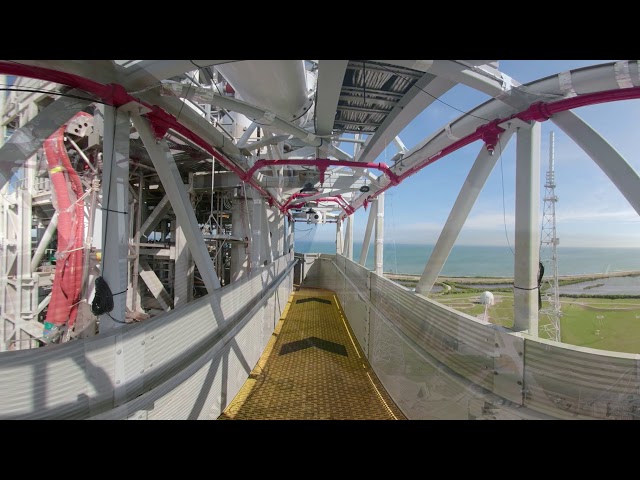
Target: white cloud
628,215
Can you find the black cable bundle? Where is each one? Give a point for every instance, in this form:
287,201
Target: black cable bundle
103,299
540,275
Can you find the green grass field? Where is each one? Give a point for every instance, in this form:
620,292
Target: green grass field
599,323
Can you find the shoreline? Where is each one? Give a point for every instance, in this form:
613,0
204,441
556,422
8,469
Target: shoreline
497,280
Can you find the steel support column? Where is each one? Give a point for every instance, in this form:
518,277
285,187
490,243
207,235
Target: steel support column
467,197
339,246
348,238
267,235
367,233
292,236
172,182
115,223
133,295
379,245
25,286
3,275
155,217
44,241
285,235
239,250
256,233
183,283
3,127
527,230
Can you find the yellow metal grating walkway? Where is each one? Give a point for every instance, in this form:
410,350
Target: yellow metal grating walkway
312,368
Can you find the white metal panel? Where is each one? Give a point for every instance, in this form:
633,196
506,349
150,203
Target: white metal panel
578,382
78,379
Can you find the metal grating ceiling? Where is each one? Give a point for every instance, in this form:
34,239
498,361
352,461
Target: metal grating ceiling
370,91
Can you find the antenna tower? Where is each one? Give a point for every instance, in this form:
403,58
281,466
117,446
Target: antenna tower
549,254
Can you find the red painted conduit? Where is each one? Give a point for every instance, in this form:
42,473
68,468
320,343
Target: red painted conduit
67,283
490,132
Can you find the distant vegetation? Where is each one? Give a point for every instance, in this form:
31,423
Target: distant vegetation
606,322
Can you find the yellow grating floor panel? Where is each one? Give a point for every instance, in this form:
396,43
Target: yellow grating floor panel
312,368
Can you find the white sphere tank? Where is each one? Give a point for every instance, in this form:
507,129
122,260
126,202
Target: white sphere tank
486,298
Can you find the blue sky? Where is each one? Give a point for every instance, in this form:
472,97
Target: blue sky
590,212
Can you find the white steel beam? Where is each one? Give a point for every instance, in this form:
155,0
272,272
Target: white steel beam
150,72
172,182
155,217
527,230
155,285
239,228
485,78
285,235
400,144
26,140
348,238
623,176
585,80
44,242
379,244
259,115
26,289
133,295
256,233
481,75
3,127
103,71
409,107
339,246
467,197
3,230
330,78
115,223
242,141
267,140
270,225
292,240
194,122
373,209
183,285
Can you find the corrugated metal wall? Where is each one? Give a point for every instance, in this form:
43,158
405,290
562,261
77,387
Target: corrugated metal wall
187,363
437,362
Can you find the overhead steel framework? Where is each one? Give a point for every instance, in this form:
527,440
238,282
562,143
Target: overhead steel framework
189,176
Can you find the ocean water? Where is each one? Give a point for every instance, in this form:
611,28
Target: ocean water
485,261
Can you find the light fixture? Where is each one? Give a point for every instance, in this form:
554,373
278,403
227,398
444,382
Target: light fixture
311,213
364,188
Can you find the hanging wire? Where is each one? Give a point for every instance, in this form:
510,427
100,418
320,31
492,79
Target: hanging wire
103,300
433,96
504,212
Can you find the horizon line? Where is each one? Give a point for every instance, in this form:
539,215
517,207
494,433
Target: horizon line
468,245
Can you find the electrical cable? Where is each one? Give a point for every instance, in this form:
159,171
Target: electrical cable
51,92
504,213
103,299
